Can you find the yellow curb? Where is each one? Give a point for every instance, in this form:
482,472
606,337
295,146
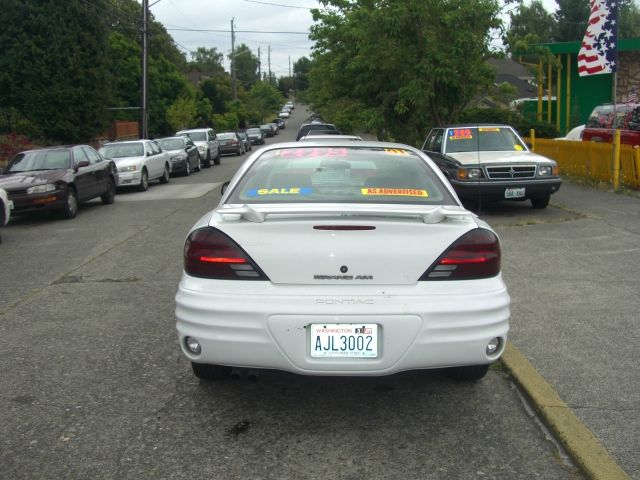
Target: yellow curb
583,447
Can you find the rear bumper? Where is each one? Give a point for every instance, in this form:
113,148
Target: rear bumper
420,327
495,190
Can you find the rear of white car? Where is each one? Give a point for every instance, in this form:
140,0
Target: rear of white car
319,261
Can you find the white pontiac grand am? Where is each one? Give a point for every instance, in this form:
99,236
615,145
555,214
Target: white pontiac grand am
349,258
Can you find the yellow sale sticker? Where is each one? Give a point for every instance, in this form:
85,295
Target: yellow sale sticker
394,192
485,129
518,148
395,151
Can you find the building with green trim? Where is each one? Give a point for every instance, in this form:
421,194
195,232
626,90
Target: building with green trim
579,95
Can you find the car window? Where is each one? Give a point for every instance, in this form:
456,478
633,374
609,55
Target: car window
40,160
121,150
340,175
197,136
484,139
93,156
79,155
227,136
155,148
437,141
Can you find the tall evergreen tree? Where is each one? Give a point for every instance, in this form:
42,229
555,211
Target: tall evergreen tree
54,67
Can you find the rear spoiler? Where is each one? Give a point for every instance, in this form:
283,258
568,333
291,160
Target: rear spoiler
259,213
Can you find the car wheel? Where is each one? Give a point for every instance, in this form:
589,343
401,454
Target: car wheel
468,373
166,175
144,181
540,202
70,209
207,160
205,371
109,195
217,159
187,171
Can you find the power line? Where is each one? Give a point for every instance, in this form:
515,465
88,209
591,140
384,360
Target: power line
229,31
278,4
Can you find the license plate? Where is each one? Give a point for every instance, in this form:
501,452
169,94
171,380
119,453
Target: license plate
514,192
339,340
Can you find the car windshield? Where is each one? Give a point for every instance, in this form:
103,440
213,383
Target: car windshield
341,175
483,139
254,131
226,136
171,144
265,127
40,160
197,136
121,150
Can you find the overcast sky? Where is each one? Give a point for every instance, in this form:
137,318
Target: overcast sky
252,20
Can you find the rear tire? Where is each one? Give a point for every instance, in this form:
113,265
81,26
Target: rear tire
70,210
205,371
109,196
217,159
540,202
469,373
187,171
207,160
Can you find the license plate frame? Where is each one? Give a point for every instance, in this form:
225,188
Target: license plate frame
514,192
344,340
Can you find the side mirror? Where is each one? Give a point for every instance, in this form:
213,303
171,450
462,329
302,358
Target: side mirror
81,164
223,188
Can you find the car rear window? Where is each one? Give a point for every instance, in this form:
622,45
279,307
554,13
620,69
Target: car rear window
340,175
226,136
483,139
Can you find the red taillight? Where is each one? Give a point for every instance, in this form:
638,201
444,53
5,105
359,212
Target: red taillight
209,253
474,255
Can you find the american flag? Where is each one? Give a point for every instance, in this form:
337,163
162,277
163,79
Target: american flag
598,52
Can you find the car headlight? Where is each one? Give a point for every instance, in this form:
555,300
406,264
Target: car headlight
179,158
49,187
544,170
469,173
201,148
130,168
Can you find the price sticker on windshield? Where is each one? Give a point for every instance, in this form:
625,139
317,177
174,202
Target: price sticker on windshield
460,134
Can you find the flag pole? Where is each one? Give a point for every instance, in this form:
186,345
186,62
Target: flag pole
615,140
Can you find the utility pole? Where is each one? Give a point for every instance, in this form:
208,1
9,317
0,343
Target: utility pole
234,89
144,128
269,61
259,65
289,66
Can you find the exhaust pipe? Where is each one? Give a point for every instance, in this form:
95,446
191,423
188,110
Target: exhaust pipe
236,373
253,375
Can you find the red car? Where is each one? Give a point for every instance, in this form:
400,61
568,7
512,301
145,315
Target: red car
58,178
599,126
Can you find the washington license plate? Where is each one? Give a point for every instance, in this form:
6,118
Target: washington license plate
514,192
344,340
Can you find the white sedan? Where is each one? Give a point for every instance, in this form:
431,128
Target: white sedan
138,162
6,206
350,258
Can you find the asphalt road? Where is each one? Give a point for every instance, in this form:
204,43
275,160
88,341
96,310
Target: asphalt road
93,384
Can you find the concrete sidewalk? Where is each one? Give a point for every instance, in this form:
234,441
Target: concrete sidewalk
573,273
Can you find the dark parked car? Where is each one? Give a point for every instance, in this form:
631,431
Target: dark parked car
230,142
58,178
305,128
183,152
268,130
245,139
256,135
279,122
491,162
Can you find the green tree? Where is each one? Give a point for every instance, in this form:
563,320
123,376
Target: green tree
54,67
182,113
263,100
301,73
246,66
206,60
533,22
400,67
572,17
